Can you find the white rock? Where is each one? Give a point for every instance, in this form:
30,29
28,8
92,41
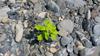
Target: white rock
89,14
3,12
53,50
25,23
42,14
19,31
5,20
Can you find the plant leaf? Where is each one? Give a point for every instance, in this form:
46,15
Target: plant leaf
46,35
53,37
39,37
39,27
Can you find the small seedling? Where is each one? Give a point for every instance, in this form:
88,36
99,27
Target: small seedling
47,30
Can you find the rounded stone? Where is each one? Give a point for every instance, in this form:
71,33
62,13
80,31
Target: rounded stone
96,30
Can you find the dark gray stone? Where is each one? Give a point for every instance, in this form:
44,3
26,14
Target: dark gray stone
66,40
51,5
61,52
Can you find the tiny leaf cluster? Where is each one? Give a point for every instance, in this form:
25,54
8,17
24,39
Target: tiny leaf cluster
47,30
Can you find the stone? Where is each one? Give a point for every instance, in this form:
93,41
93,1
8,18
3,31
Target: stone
61,52
70,48
25,23
48,54
96,40
65,27
79,45
37,8
3,12
3,36
19,31
51,5
12,1
88,14
34,1
66,40
90,52
87,43
75,3
5,20
96,30
53,50
42,14
97,19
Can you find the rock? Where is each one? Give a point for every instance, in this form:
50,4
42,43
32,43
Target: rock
48,54
51,5
66,40
97,19
34,1
5,20
7,53
53,50
42,50
71,54
88,14
42,14
12,1
75,50
90,52
87,43
70,48
95,40
37,8
75,3
96,30
3,12
3,36
79,45
61,52
25,23
2,4
65,27
19,31
94,13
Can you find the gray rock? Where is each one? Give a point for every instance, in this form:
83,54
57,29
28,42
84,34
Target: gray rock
12,1
66,40
48,54
37,8
51,5
90,52
70,47
96,40
96,30
71,54
3,37
97,19
3,12
61,52
75,3
87,43
75,50
65,27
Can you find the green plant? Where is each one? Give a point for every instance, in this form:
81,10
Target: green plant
47,30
